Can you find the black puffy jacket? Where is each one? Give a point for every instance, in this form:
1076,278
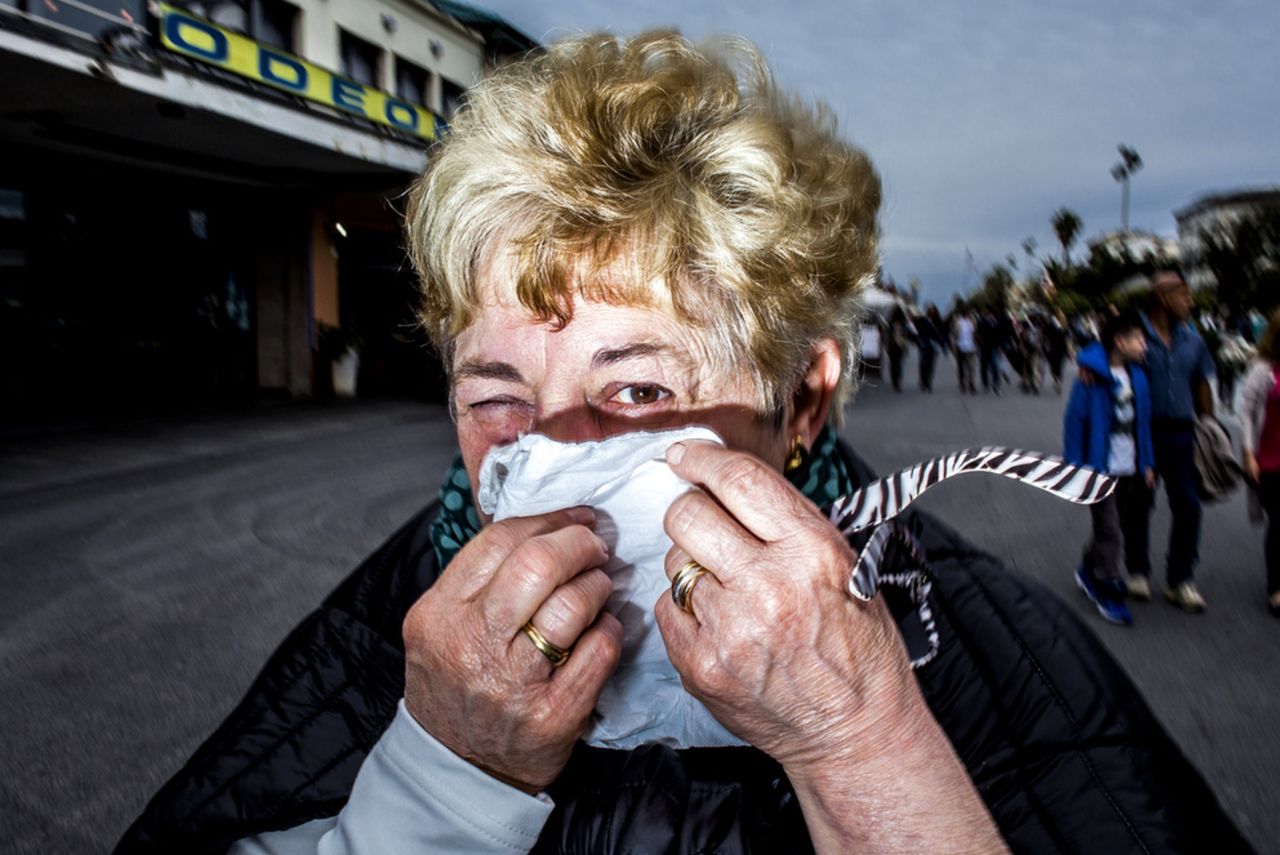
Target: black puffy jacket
1064,751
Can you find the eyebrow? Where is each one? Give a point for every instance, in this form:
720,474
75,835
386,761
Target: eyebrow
612,355
488,371
602,358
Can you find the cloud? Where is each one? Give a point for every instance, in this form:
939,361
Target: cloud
985,117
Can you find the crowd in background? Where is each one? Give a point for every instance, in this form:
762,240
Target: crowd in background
1031,345
1117,352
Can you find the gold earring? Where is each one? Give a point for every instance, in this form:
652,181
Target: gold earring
796,460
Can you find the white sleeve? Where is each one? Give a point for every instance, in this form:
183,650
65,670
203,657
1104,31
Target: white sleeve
1253,402
414,795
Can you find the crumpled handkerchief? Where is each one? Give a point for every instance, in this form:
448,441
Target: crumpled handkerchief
627,481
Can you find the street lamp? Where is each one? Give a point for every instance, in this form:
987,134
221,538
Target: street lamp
1130,162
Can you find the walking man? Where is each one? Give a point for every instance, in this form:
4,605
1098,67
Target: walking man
929,340
991,340
1179,368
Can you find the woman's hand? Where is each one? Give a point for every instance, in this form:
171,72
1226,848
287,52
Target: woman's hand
788,661
778,651
473,678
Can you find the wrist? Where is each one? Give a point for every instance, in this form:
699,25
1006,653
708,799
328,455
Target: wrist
900,725
904,789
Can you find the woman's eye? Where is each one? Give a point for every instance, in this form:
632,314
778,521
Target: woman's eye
492,409
641,394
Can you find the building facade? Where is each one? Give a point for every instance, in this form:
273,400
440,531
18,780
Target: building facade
193,191
1216,213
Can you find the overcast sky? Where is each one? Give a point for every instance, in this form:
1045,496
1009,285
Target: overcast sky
984,117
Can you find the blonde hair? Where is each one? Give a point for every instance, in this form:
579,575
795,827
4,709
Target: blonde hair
653,172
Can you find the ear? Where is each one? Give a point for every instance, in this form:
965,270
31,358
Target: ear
812,401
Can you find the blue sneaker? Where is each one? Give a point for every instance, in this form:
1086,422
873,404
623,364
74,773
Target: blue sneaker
1108,598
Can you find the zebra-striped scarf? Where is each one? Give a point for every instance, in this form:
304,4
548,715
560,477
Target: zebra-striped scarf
825,480
876,504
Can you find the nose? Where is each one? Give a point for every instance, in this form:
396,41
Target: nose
575,423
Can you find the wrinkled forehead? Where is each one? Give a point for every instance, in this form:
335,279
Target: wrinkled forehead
590,302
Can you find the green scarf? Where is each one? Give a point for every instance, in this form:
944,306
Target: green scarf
822,478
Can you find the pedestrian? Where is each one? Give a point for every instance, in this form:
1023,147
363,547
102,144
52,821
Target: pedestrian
1032,340
929,340
1257,325
990,343
1107,426
1179,370
1231,359
965,337
1260,452
898,336
1056,347
869,349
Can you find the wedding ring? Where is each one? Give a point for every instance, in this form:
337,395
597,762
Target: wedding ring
683,582
557,655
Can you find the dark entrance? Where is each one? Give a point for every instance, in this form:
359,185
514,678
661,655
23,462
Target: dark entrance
123,290
378,296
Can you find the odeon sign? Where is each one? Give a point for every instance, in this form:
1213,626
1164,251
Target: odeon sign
199,39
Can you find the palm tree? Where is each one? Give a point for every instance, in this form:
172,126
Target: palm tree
1066,225
1130,162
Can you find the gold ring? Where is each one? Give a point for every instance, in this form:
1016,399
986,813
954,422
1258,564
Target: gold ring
683,582
557,655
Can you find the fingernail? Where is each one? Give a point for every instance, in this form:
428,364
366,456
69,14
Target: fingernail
675,453
582,515
604,544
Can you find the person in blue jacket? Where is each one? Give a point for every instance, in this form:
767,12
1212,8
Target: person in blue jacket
1107,427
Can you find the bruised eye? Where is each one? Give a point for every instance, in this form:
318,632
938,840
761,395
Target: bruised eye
641,394
492,405
496,410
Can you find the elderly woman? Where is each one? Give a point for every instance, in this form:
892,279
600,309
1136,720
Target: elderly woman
626,236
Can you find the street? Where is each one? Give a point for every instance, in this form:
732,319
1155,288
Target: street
149,570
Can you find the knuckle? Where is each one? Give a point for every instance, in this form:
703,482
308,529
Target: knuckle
568,607
742,473
486,551
501,537
707,674
545,722
538,563
681,513
737,645
834,553
413,629
599,583
774,605
611,646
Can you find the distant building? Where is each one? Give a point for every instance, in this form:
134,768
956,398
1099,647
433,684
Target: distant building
1211,213
1136,244
190,189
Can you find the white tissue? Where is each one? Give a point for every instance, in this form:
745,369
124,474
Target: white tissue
627,481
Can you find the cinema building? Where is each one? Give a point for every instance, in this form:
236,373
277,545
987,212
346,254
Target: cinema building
192,193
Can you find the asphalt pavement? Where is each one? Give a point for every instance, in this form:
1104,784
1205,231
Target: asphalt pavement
148,569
